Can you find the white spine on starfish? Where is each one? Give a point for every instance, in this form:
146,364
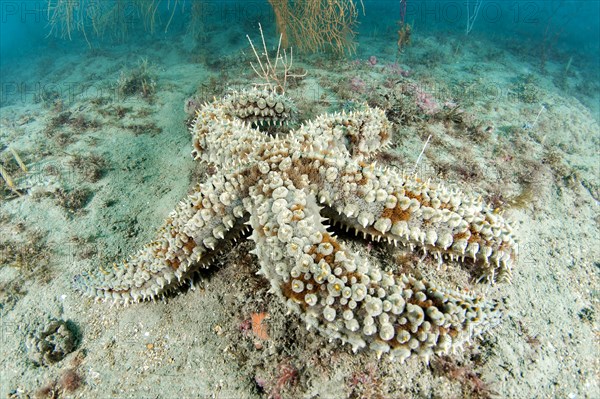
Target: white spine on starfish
346,297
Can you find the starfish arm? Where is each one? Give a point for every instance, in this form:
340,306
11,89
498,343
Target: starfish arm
358,133
346,297
224,141
259,107
204,221
223,133
385,204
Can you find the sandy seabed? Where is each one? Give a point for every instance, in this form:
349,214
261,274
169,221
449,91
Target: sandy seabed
104,168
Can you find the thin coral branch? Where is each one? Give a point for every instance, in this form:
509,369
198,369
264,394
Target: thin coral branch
274,76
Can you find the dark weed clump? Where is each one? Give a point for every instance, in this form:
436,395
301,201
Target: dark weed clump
73,201
80,124
146,128
138,82
90,166
10,293
63,127
59,120
586,314
25,251
115,110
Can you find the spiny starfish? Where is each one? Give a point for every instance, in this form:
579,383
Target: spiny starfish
282,186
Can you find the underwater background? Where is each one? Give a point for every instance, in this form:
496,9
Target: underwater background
560,33
500,99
